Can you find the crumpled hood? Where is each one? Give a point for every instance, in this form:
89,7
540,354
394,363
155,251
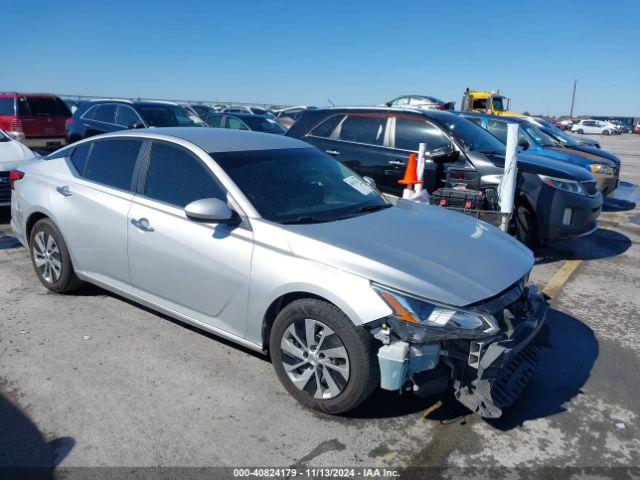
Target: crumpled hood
598,152
424,250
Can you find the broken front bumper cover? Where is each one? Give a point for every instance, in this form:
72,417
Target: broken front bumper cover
498,370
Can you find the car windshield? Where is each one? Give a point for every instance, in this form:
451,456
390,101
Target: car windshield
169,116
471,136
539,136
299,185
560,136
263,124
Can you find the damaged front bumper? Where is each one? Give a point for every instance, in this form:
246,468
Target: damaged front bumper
487,375
498,370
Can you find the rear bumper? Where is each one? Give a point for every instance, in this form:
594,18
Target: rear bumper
45,142
498,372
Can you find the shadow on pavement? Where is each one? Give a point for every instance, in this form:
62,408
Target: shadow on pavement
24,452
602,243
622,199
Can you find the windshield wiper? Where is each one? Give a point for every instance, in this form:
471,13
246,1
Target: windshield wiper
301,220
373,208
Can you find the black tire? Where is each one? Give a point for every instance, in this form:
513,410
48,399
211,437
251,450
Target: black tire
524,225
364,374
606,132
66,281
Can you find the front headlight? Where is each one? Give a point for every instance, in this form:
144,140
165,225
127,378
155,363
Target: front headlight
563,184
599,168
419,321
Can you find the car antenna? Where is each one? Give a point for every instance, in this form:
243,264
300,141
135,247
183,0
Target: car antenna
332,104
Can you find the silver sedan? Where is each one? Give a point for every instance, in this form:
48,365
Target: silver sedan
266,241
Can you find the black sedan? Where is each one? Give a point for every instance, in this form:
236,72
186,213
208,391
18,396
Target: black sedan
244,121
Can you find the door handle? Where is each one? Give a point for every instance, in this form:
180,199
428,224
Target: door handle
396,162
142,224
64,191
333,152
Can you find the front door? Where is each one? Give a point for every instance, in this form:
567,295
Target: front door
199,270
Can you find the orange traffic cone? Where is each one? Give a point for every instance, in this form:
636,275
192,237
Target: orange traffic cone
411,173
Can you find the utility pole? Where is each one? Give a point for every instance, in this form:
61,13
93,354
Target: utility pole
573,98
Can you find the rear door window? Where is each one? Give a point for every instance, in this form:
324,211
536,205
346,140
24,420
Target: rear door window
126,116
105,113
326,128
177,177
7,106
364,129
80,155
214,121
112,162
236,124
411,132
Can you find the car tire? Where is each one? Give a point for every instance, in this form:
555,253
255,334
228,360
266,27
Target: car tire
580,131
347,348
524,225
606,132
50,258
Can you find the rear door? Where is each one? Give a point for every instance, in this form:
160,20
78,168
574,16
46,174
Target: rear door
360,142
43,116
100,119
92,204
197,269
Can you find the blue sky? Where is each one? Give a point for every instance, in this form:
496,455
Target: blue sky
353,52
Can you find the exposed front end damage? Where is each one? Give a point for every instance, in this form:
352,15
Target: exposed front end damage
487,373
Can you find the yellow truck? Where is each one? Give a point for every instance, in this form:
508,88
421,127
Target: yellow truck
490,103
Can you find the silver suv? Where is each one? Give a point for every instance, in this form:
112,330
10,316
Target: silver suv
266,241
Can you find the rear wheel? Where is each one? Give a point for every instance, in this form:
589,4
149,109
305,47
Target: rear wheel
321,358
51,259
606,132
580,131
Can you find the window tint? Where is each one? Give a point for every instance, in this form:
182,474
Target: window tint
326,128
476,120
79,156
214,120
410,133
125,116
7,106
400,101
236,124
498,129
47,106
364,129
176,177
112,162
105,113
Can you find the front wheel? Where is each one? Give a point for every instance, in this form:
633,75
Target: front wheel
606,132
322,359
524,225
580,131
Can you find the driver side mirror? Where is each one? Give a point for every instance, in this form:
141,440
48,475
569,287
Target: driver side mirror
133,125
445,154
210,210
523,144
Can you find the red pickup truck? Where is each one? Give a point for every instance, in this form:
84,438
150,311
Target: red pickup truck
38,120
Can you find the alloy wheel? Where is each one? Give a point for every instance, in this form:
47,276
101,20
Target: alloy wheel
46,254
315,359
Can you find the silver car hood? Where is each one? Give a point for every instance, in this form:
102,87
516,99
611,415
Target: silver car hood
424,250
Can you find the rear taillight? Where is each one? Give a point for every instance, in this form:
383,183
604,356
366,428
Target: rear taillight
14,176
441,107
16,125
68,123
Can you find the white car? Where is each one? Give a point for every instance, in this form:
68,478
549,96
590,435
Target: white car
13,154
594,126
